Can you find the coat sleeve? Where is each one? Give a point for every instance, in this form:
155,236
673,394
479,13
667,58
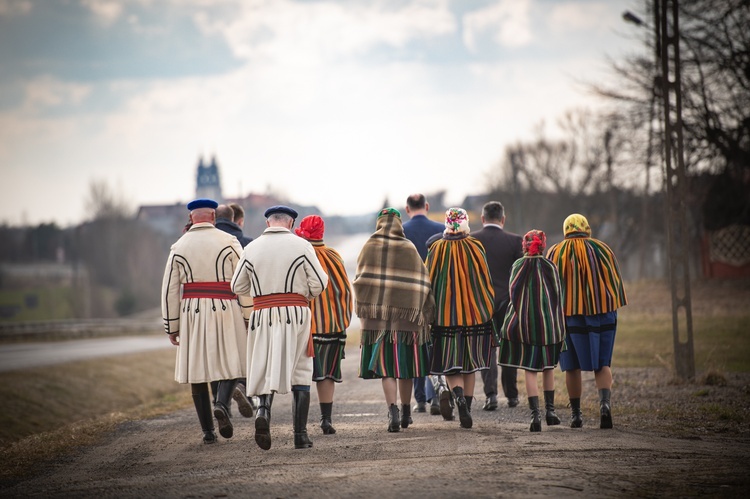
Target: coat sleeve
170,295
245,300
243,277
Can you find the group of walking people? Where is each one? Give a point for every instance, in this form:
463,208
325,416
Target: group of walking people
272,317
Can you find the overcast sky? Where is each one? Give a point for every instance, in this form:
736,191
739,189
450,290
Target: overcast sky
338,104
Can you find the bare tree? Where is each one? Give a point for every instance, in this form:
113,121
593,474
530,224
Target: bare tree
104,203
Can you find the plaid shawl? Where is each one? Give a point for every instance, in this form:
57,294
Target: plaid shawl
391,281
589,275
461,281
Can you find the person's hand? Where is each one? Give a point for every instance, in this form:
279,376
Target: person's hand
174,338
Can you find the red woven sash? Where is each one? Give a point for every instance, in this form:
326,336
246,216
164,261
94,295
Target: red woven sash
216,290
280,300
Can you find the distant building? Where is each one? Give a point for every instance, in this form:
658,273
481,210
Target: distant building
170,219
207,182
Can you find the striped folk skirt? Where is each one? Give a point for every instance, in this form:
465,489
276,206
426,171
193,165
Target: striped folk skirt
461,349
529,357
392,354
590,341
329,352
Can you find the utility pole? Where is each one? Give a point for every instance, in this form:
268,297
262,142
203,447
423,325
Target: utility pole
668,38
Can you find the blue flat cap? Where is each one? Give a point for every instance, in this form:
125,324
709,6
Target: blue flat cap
280,209
202,203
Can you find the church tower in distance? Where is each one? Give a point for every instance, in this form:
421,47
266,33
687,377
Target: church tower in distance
207,181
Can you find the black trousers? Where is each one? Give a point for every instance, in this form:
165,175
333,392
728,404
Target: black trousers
508,375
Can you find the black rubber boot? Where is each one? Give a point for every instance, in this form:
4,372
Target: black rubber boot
221,407
325,418
536,418
406,419
244,403
300,410
446,403
576,417
464,416
263,422
469,400
549,408
605,409
202,401
394,423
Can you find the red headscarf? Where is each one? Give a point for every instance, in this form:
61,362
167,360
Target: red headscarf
311,228
534,242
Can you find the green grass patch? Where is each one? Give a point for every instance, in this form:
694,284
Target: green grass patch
37,304
722,412
720,343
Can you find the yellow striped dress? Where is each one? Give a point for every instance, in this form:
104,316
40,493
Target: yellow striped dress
592,291
463,328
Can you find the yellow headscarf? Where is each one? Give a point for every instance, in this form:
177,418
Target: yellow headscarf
576,224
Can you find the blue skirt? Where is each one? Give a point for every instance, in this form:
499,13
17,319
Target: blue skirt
590,340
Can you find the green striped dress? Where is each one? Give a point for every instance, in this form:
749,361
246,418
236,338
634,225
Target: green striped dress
533,330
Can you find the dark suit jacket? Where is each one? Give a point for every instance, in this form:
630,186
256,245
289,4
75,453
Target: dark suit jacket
502,248
418,229
230,227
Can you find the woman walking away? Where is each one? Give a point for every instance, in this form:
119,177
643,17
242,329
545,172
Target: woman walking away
331,312
533,331
593,291
464,297
395,304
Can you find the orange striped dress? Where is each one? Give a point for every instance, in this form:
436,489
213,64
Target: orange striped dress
331,312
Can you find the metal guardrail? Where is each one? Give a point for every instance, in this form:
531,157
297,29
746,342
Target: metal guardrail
77,328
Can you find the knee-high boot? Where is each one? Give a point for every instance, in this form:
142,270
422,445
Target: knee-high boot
326,409
576,417
202,401
605,408
536,419
300,409
464,416
221,407
263,422
549,408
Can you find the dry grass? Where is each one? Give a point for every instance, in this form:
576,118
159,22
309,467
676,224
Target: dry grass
51,410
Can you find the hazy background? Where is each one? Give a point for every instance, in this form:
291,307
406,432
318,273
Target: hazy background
378,98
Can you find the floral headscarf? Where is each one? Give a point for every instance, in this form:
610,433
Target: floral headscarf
389,211
576,226
456,221
534,242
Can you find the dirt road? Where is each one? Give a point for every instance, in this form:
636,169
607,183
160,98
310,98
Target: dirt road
653,451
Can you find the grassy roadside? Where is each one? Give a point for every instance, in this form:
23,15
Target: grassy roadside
48,411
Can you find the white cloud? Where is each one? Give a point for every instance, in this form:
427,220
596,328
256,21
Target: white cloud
14,7
570,17
508,22
46,92
106,11
306,33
